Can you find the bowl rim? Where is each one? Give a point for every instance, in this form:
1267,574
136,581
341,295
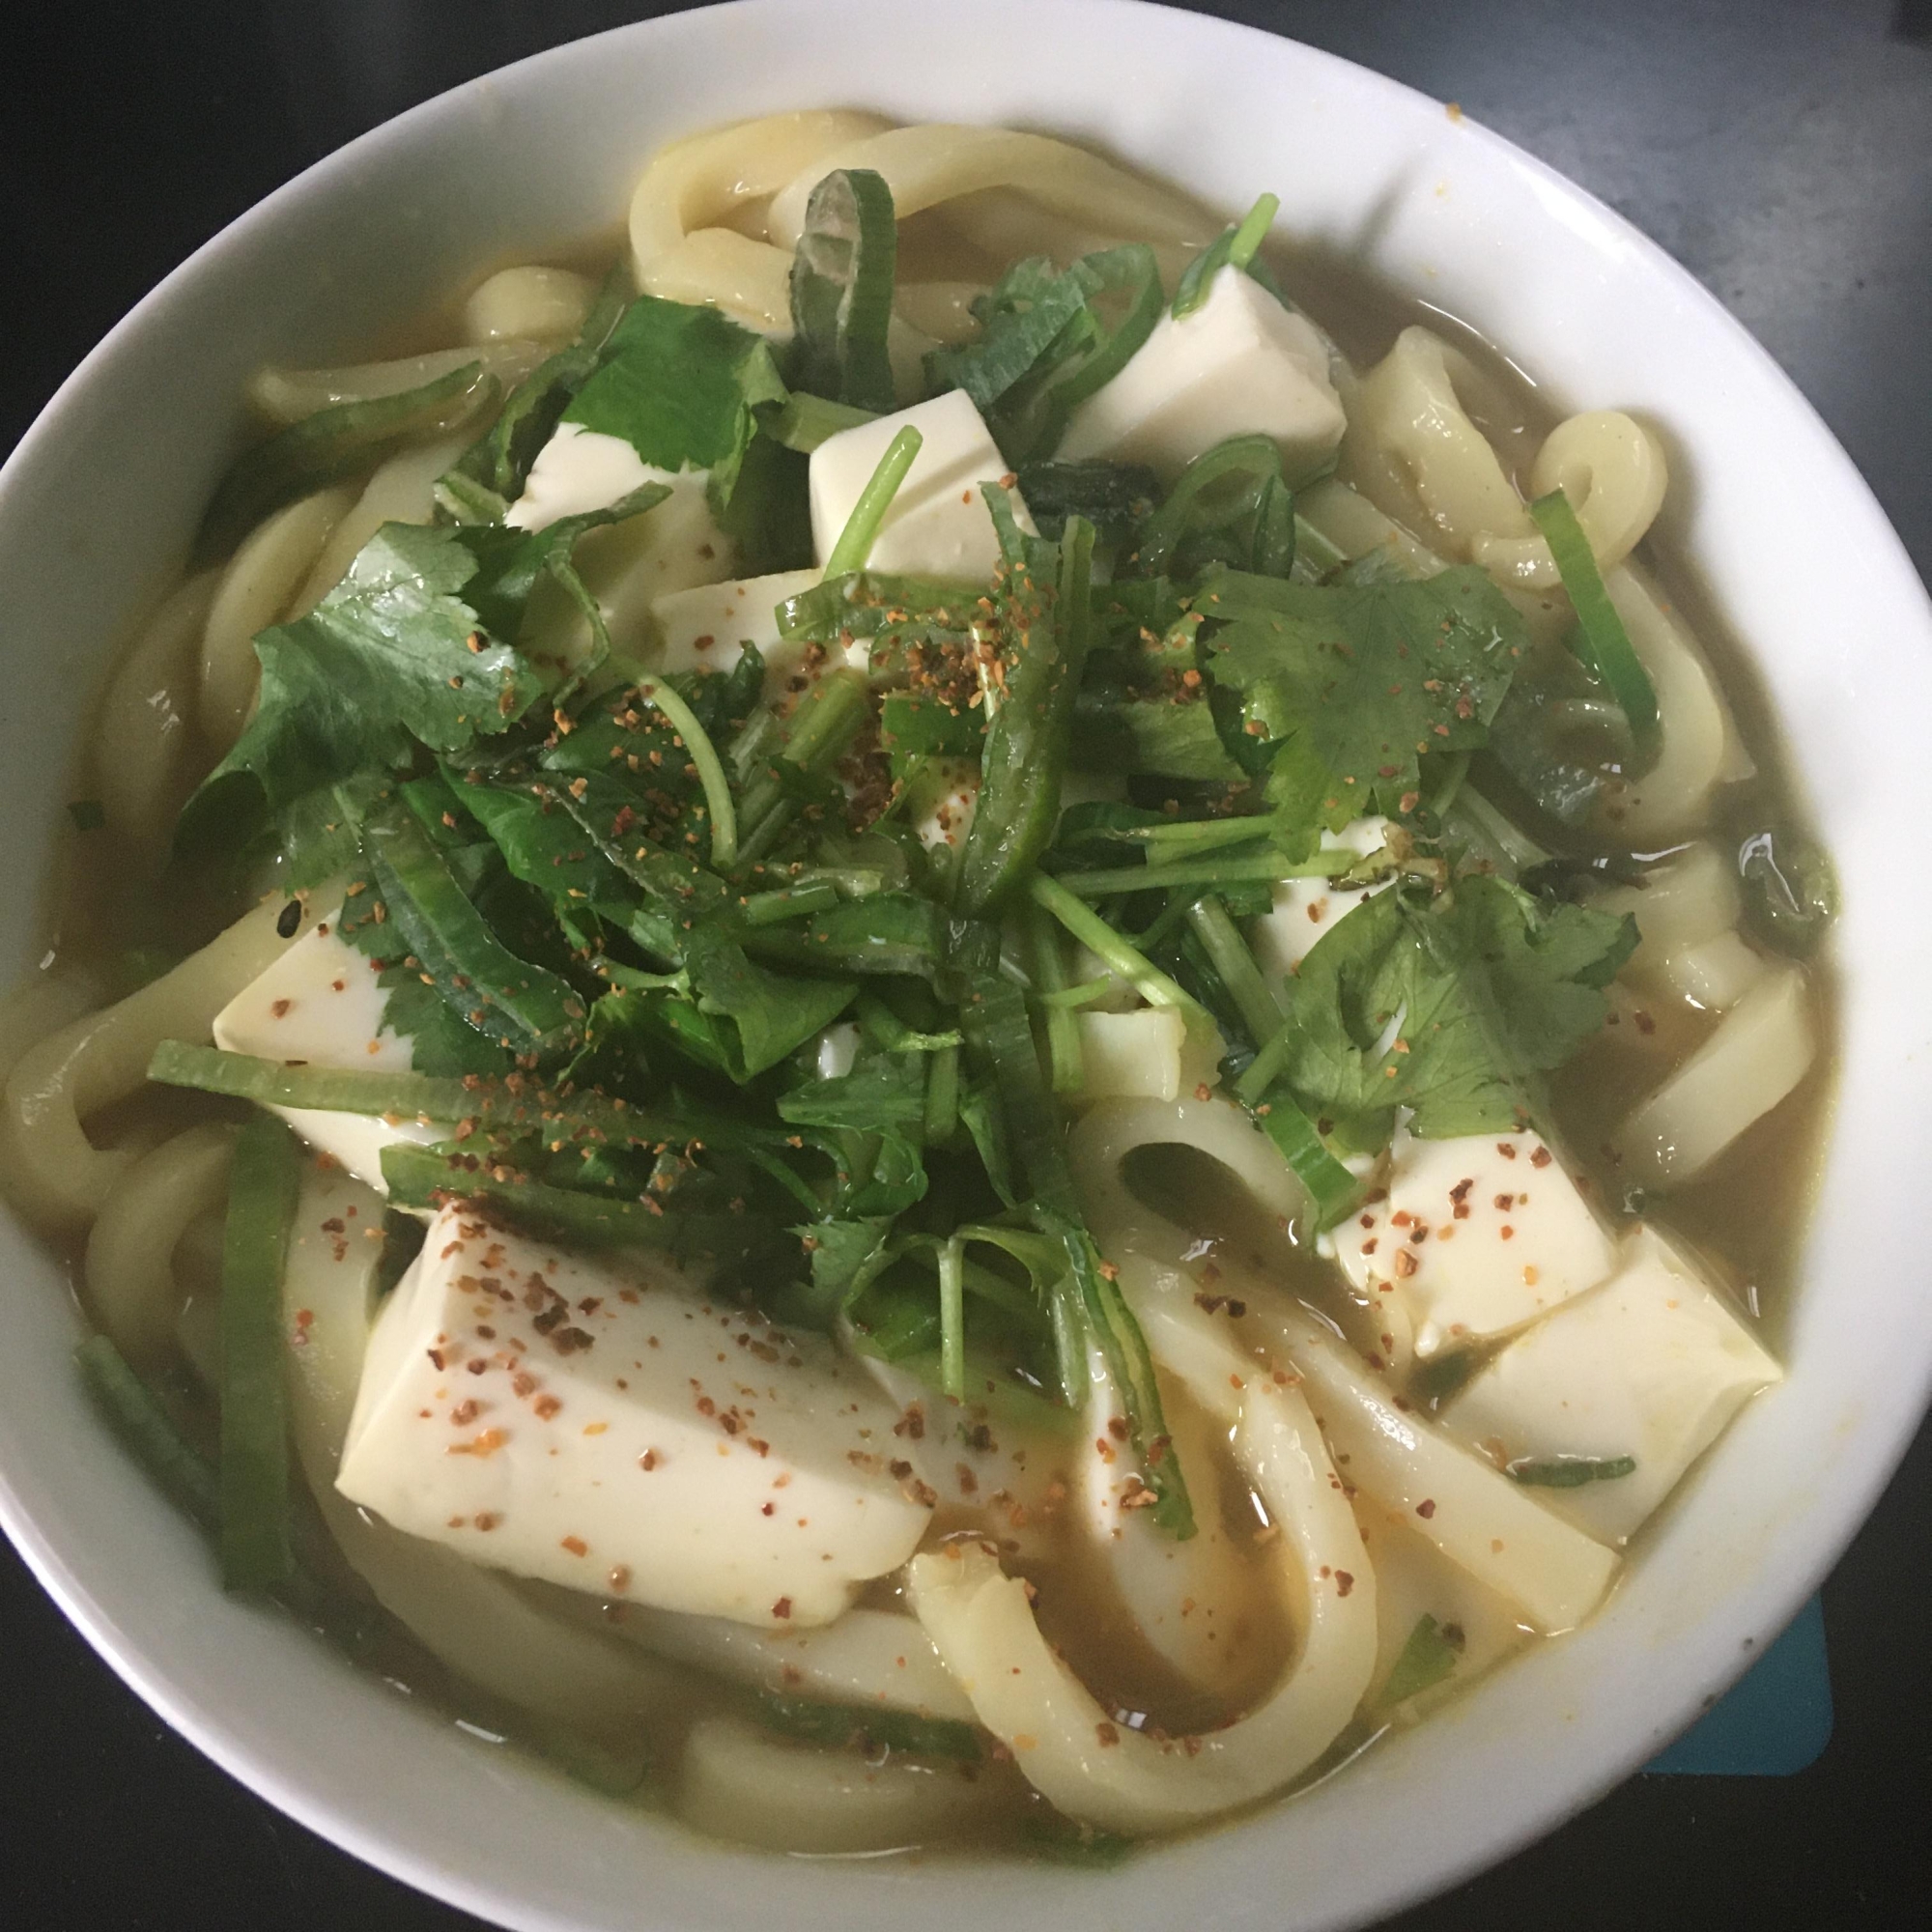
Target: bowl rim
275,1778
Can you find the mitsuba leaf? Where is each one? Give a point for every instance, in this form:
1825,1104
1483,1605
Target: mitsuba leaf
1363,680
501,462
679,382
1049,338
413,648
1468,999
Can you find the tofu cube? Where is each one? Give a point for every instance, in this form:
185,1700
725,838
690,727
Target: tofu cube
602,1425
1650,1365
1242,364
1304,909
707,629
576,471
1478,1235
319,1002
938,525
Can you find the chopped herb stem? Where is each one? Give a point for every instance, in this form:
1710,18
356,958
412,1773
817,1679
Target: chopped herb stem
1065,1064
1260,1006
791,902
1086,925
861,527
1261,869
703,754
952,1319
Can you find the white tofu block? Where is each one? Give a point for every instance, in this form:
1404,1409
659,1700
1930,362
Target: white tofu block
320,1004
1132,1056
938,525
707,629
1474,1240
605,1427
943,795
1305,909
1240,364
580,469
1652,1365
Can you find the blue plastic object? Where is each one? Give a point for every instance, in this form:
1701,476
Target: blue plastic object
1777,1718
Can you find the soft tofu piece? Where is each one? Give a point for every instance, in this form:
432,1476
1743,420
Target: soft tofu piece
319,1002
607,1428
1240,364
942,797
1305,909
580,469
1652,1365
1478,1235
707,629
938,525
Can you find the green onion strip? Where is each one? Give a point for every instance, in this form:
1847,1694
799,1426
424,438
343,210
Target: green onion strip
1602,644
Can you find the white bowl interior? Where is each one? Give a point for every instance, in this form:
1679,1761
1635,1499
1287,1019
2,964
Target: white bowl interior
97,508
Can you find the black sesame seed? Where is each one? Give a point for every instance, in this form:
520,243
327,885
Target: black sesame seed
290,918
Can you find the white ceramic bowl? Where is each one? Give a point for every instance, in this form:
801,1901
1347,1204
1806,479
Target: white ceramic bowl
97,507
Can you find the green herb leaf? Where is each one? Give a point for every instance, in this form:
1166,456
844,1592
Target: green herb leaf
1426,1660
1361,682
1044,648
841,290
1049,339
679,384
1235,246
1568,1472
1229,507
256,1551
1601,642
334,443
870,1729
500,463
1493,989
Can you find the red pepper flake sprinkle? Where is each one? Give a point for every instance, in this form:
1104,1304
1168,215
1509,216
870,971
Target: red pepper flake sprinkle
576,1545
1426,1508
782,1609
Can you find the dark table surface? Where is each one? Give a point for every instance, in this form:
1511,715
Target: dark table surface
1781,151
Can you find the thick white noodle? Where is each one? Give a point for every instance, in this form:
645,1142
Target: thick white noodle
146,727
681,245
257,587
1412,450
1687,911
1762,1048
532,304
935,163
1068,1745
1479,1520
131,1288
1106,1774
1612,471
864,1656
1356,527
473,1619
288,395
1701,747
399,492
49,1168
41,1005
739,1782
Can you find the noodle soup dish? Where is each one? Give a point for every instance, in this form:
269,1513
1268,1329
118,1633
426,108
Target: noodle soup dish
947,1008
